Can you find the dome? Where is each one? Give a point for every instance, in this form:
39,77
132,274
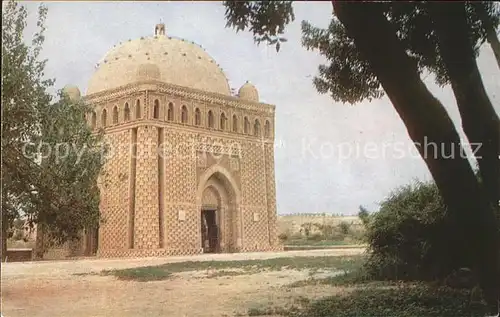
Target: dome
148,71
248,92
72,92
160,57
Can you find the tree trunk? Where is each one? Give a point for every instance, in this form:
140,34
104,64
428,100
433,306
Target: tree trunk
431,128
492,39
5,227
479,119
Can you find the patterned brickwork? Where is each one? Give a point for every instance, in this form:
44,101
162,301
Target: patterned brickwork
253,183
255,228
180,191
180,168
271,195
114,192
182,234
242,170
146,220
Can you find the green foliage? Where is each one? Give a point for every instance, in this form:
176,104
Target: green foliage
23,92
405,301
266,19
345,227
324,234
364,215
51,159
409,237
349,77
142,275
67,196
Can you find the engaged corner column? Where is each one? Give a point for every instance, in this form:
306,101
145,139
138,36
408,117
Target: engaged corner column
146,217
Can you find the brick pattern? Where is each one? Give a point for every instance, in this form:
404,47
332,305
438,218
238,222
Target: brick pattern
146,220
253,182
271,195
189,153
113,232
256,235
180,192
182,234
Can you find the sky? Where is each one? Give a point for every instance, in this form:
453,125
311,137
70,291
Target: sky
322,161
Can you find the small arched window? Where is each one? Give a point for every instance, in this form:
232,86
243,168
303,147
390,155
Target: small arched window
126,112
104,118
138,109
93,120
170,113
235,123
256,128
197,116
184,114
156,109
115,115
267,129
246,127
210,119
223,121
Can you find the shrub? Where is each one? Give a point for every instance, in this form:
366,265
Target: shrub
316,237
18,235
344,227
409,237
364,215
283,236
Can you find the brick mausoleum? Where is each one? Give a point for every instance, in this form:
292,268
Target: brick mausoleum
211,188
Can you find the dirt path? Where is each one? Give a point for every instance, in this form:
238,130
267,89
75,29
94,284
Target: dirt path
52,289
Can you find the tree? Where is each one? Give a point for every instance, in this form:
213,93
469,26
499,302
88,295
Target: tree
57,190
422,28
67,196
364,216
377,48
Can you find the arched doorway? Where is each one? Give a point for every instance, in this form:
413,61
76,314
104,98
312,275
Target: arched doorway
220,220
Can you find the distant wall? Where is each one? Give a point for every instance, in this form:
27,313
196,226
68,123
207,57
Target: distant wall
293,222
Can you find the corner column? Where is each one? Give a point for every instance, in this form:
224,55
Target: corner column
146,218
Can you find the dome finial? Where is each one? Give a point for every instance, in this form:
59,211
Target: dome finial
160,29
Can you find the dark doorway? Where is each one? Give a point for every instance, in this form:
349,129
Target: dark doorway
209,231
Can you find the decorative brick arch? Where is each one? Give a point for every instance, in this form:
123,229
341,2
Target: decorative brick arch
218,179
214,171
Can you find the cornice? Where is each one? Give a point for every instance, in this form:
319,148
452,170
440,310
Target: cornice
208,133
178,91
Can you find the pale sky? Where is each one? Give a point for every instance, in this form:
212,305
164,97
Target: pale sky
310,177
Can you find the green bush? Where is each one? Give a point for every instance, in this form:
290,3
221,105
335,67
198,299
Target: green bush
283,236
344,227
409,237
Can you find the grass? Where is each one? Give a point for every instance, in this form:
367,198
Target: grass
164,271
309,242
350,277
141,275
407,300
370,298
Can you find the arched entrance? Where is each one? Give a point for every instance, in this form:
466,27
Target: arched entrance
220,220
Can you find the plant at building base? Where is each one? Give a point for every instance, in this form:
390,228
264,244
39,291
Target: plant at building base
54,190
382,48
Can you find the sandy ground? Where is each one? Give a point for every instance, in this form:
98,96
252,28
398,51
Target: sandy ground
53,289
